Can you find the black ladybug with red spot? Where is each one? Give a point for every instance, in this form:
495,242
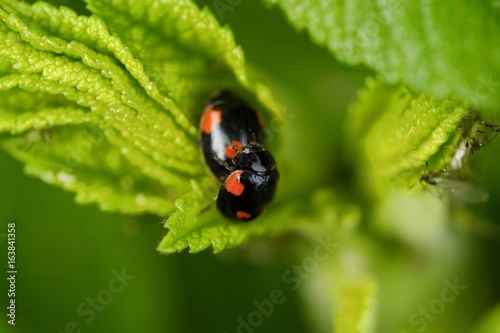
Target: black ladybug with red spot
234,150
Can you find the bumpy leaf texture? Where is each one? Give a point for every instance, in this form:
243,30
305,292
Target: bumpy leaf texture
107,106
438,48
399,131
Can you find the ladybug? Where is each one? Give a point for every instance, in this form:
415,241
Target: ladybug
250,187
227,125
235,153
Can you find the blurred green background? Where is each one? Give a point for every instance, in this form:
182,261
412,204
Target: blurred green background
67,253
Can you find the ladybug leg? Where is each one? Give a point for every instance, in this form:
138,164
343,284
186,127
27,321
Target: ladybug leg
205,209
228,167
218,160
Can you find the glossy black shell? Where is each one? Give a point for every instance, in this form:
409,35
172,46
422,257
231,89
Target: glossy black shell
233,121
258,175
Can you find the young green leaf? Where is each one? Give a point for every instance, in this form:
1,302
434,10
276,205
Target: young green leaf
80,159
322,213
99,83
438,48
399,131
183,49
107,106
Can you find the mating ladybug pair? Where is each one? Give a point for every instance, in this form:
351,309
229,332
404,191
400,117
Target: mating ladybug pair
233,148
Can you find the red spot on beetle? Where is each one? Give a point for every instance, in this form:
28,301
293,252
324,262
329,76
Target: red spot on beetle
243,215
233,185
209,119
233,148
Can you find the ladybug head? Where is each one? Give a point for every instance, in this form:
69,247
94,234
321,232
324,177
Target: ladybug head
254,158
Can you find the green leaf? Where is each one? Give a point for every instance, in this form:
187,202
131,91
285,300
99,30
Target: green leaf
182,48
99,83
189,228
399,131
438,48
355,304
107,106
79,159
